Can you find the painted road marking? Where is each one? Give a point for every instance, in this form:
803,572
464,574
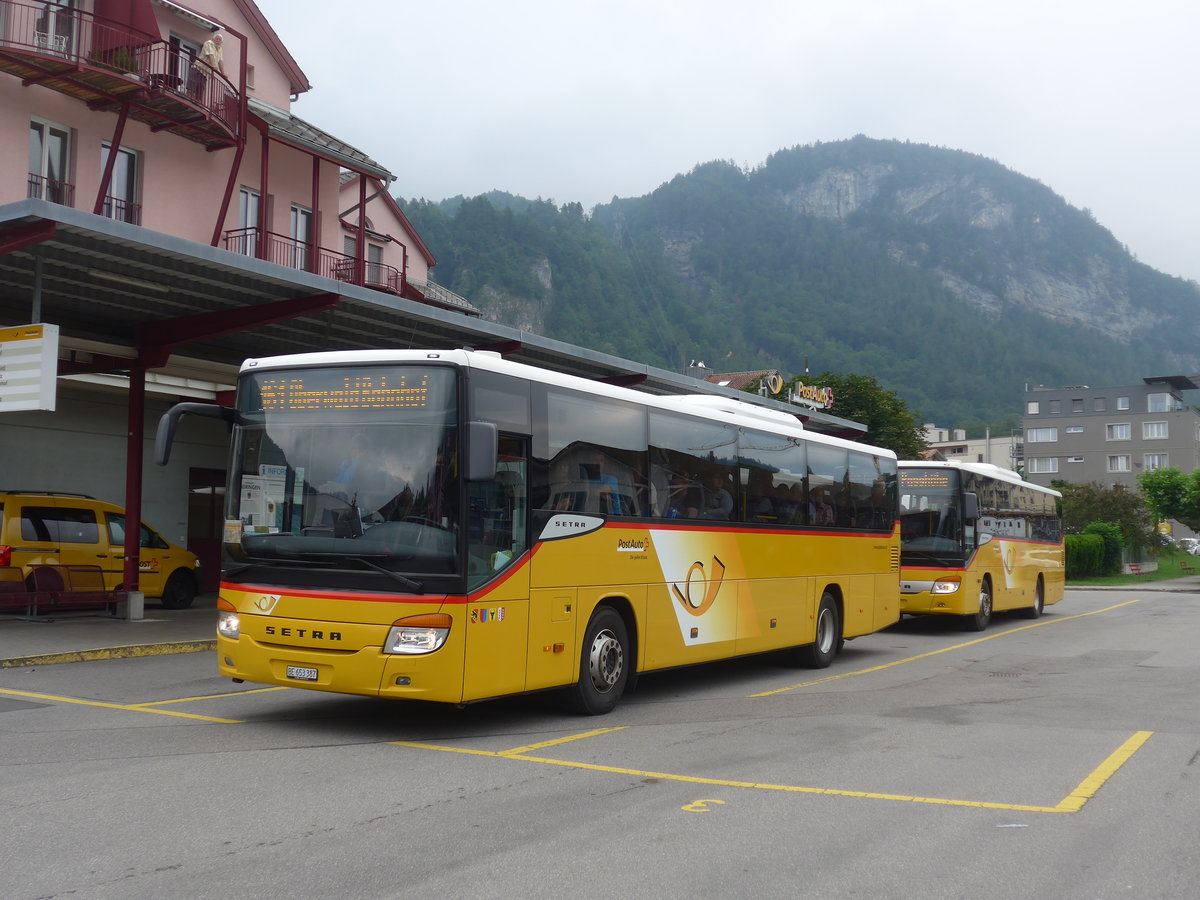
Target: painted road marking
122,706
701,806
920,656
1072,803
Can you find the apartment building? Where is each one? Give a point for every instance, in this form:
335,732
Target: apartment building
1109,435
1006,451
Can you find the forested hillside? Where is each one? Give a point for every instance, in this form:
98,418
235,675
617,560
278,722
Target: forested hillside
950,279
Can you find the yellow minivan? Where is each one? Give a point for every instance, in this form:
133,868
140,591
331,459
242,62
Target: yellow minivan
48,528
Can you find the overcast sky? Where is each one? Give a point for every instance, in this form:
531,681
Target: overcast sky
577,100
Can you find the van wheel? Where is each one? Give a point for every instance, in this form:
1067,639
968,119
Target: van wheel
828,639
603,665
179,591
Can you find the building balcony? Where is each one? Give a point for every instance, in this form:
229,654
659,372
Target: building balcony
42,188
108,65
297,254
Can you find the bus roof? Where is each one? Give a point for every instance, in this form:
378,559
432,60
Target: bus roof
710,406
999,473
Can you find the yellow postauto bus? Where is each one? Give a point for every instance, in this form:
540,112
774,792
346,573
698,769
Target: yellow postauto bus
452,526
977,539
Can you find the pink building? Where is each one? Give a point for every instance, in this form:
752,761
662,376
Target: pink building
107,110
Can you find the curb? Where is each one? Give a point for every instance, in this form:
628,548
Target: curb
128,652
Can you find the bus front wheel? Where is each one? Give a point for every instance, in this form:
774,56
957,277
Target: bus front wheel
603,664
828,639
979,621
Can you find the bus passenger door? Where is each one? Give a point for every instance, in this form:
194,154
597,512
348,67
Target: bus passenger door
497,613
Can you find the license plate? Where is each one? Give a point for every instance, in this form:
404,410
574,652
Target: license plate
302,673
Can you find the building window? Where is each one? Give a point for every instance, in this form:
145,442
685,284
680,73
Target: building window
301,234
1117,432
1043,465
1100,404
49,157
1122,403
121,201
248,206
1032,408
1041,435
1074,429
55,27
1158,403
375,272
1055,407
1077,405
1152,461
1154,431
1118,463
184,53
1075,459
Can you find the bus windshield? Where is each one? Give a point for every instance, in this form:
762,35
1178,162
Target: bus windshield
931,522
347,467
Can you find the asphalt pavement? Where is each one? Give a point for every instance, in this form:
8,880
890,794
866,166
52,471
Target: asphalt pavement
79,636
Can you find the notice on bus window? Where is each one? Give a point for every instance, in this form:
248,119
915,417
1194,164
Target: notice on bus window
28,368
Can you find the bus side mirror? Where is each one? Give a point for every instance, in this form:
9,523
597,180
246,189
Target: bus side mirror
165,436
970,506
482,448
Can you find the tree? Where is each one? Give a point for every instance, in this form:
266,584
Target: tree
1172,495
1084,504
889,421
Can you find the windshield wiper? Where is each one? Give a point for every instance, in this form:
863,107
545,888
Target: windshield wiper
415,586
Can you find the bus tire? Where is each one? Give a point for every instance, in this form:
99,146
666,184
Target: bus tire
604,664
820,653
978,621
1039,602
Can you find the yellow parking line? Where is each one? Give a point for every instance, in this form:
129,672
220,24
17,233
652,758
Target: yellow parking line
266,690
920,656
125,706
518,751
1072,803
1087,788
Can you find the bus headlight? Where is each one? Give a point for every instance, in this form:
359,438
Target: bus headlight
229,625
945,586
418,634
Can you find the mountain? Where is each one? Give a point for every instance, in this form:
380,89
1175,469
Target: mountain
949,278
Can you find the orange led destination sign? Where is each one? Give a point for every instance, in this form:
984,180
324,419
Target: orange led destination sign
315,391
927,478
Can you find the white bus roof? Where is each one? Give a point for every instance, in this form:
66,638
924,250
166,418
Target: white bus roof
724,409
987,469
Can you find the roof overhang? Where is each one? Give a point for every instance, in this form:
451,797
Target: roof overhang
111,282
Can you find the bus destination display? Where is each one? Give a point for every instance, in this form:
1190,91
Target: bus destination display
924,478
315,390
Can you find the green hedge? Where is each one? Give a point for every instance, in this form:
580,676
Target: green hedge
1110,533
1085,555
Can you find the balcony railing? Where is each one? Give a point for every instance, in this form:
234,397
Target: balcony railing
42,188
106,63
122,210
297,254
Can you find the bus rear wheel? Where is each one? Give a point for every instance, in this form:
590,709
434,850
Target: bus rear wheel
603,664
979,621
828,639
1039,602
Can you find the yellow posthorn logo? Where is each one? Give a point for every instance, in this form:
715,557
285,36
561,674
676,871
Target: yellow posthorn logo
266,602
710,587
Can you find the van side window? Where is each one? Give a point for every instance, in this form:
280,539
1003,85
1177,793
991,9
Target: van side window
61,525
116,533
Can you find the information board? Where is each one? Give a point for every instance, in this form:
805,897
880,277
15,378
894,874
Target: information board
28,367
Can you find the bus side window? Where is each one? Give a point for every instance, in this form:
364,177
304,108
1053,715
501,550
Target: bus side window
497,532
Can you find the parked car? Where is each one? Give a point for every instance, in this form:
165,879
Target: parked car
1191,545
40,528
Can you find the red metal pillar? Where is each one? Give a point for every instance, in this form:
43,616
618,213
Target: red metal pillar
134,452
314,264
113,148
360,252
264,174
